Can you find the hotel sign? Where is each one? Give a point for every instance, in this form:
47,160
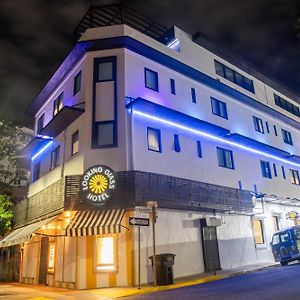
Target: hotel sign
98,184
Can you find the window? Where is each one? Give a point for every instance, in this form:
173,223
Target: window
219,108
54,158
172,86
287,137
154,142
176,143
77,83
105,134
275,130
36,171
105,71
275,222
199,149
40,123
267,127
295,177
265,169
275,240
151,79
240,185
258,232
258,124
275,170
225,158
75,142
193,93
283,172
51,257
58,104
234,76
286,105
106,254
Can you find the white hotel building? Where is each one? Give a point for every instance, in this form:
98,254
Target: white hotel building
179,124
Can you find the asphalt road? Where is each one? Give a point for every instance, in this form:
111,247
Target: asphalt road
282,283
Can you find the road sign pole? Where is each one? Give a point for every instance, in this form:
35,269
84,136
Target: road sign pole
154,250
139,257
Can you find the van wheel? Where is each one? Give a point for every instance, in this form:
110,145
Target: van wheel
284,263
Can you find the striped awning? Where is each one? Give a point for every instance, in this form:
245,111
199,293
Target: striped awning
22,234
95,222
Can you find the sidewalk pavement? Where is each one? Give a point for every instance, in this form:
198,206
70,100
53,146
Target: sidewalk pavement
114,293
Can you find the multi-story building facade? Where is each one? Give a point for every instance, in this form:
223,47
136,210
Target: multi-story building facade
135,114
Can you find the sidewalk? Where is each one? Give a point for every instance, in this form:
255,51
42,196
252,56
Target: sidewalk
40,292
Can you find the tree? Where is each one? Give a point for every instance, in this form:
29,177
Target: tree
11,140
6,214
11,137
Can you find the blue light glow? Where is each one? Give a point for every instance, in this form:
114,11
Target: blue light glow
173,44
212,137
43,149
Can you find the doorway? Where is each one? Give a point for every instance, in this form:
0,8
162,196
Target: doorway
210,247
43,260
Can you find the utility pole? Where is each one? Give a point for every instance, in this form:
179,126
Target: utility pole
153,206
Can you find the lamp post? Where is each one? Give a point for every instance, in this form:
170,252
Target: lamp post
153,205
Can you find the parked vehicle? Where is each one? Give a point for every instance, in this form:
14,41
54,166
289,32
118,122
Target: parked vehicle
286,245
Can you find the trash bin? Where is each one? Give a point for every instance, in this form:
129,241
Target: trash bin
164,268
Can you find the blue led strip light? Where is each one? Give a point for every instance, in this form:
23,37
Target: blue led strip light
43,149
212,137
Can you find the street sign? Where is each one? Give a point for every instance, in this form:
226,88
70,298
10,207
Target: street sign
138,221
143,209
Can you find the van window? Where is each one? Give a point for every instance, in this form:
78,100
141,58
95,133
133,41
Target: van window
275,240
297,234
284,237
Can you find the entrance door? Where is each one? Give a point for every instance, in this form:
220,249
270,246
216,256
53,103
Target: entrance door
210,249
43,260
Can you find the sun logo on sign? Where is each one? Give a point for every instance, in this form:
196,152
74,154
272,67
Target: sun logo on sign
98,183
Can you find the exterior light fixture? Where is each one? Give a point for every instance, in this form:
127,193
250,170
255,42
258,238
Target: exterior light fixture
43,149
211,136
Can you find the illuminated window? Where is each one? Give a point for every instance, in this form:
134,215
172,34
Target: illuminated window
51,257
295,177
75,142
58,104
153,136
106,253
258,232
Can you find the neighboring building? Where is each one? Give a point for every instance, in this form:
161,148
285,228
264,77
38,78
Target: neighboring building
174,123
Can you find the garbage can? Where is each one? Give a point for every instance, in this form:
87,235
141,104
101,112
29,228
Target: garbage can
164,268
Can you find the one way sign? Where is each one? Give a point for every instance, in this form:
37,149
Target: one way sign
138,221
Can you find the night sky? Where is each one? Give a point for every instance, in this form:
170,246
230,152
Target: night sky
36,35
